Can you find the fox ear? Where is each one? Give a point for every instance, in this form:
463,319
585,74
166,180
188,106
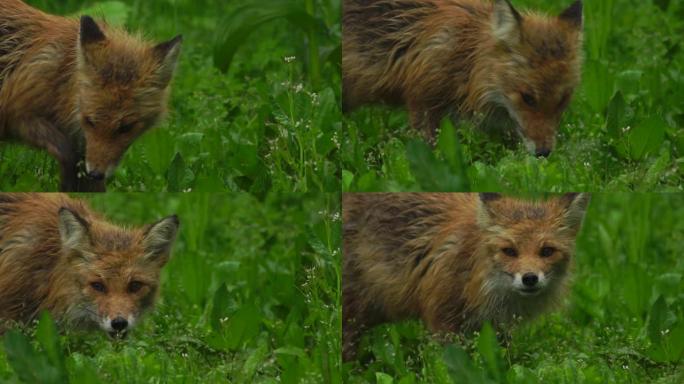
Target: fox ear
575,207
88,38
74,230
90,32
484,210
158,239
168,53
506,22
573,14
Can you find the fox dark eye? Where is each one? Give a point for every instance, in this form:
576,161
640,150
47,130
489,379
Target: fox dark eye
547,251
511,252
96,285
134,286
89,122
529,99
564,101
125,128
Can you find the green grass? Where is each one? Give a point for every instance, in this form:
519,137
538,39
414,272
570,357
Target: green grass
623,130
250,295
623,321
263,123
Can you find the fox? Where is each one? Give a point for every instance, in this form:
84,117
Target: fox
81,90
58,255
454,260
463,58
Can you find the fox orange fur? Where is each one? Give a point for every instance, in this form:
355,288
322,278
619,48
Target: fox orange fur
454,260
466,57
57,255
80,90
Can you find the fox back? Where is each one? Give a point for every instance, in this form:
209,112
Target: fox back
454,260
57,255
463,56
69,85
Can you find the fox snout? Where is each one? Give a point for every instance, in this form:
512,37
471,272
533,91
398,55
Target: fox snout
99,172
118,326
539,140
529,283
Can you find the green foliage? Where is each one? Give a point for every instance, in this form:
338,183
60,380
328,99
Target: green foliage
251,294
249,16
623,321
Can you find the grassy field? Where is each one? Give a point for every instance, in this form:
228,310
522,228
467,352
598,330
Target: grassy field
623,322
623,130
250,295
254,104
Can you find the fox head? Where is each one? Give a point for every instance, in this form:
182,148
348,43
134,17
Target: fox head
115,271
122,91
529,247
537,68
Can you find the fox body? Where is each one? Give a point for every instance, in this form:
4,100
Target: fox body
454,260
58,255
82,91
464,56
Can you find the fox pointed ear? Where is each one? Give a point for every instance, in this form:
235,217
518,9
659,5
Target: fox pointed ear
575,207
506,22
167,53
74,231
158,239
573,14
90,32
484,209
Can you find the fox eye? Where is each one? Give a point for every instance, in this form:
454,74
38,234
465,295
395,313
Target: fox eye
89,122
125,128
96,285
547,251
511,252
529,99
134,286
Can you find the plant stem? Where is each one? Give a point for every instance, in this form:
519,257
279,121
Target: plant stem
314,59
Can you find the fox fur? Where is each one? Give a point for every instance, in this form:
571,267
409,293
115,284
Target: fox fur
439,257
82,91
58,255
466,57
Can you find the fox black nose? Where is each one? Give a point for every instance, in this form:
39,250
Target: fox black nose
543,152
119,323
96,175
530,279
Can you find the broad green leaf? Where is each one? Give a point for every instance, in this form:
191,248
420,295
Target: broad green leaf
488,347
430,173
244,20
615,115
646,137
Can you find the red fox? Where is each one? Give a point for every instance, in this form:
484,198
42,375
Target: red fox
466,57
57,255
455,260
80,90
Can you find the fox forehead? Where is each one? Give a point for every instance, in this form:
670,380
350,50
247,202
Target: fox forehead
514,211
545,41
109,239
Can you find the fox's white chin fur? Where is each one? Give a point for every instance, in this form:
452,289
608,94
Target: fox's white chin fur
506,301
